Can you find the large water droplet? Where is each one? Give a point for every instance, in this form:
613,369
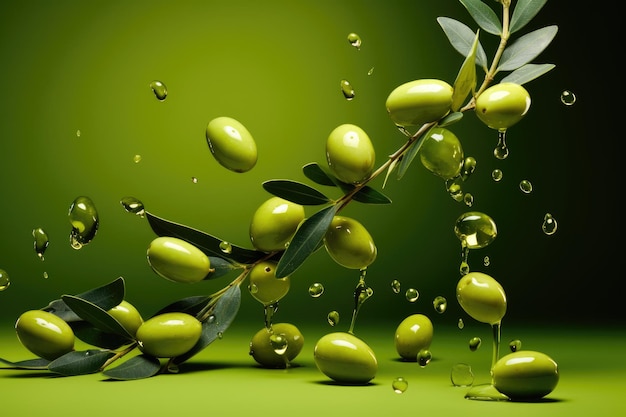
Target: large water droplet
526,186
475,230
549,224
41,242
440,304
461,375
399,385
568,98
5,281
333,318
501,151
354,40
496,175
316,290
395,286
226,247
411,295
279,343
133,205
159,90
347,90
475,343
424,357
85,221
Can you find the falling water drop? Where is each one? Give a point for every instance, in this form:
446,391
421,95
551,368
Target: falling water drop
194,180
84,219
568,98
41,242
460,324
395,286
424,357
354,40
333,318
549,224
78,133
496,175
526,186
316,289
486,260
469,166
133,205
226,247
501,151
5,281
371,71
159,90
515,345
399,385
468,198
347,90
137,158
411,295
475,343
440,304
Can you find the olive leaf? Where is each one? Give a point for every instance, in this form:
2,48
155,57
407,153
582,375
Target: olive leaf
296,192
96,316
137,367
190,305
392,167
80,362
366,194
526,48
527,73
34,364
94,336
524,12
316,174
465,82
410,154
484,16
451,118
219,267
461,38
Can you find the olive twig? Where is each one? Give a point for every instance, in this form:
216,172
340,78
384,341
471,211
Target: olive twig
119,354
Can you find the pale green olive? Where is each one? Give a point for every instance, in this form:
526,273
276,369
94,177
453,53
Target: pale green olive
441,153
421,101
349,243
482,297
274,223
525,375
231,144
168,335
350,153
345,358
264,352
502,105
177,260
413,334
128,316
264,286
44,334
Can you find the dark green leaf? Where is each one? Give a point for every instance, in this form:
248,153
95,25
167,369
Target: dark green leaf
524,12
526,48
220,267
484,16
96,316
527,73
465,82
410,154
91,335
295,192
190,305
367,195
80,362
34,364
461,38
137,367
316,174
210,245
451,118
305,241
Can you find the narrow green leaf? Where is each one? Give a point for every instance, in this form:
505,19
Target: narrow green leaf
410,154
96,316
38,364
366,195
527,73
305,241
392,167
137,367
295,192
465,82
526,48
484,16
190,305
461,38
220,267
451,118
524,12
316,174
80,362
94,336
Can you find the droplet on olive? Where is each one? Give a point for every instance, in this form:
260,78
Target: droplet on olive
345,358
263,284
413,334
128,316
442,153
349,243
178,260
525,375
350,153
168,335
482,297
231,144
44,334
274,223
502,105
421,101
264,353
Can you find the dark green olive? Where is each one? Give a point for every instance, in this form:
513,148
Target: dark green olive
44,334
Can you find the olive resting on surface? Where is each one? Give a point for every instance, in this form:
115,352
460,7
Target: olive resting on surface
168,335
231,144
525,375
264,353
274,223
128,316
177,260
350,153
264,286
421,101
413,334
44,334
502,105
345,358
482,297
349,243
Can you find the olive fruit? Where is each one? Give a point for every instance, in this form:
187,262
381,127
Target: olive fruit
44,334
350,153
525,375
421,101
349,243
231,144
441,153
128,316
168,335
177,260
482,297
345,358
264,352
274,223
264,286
413,334
502,105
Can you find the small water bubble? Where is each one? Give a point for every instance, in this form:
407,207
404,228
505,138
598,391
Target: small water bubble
475,343
411,295
501,151
424,357
440,304
515,345
399,385
568,98
159,90
371,71
461,375
253,288
84,219
78,133
526,186
137,158
41,242
468,199
194,180
211,319
549,224
220,335
5,281
496,175
316,290
347,90
395,286
279,343
469,166
333,318
460,324
133,205
486,261
45,275
226,247
354,40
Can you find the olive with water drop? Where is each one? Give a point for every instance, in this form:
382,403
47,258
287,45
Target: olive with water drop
264,353
525,375
349,243
44,334
421,101
482,297
350,153
345,358
168,335
263,284
413,334
441,153
274,223
231,144
502,105
128,316
178,260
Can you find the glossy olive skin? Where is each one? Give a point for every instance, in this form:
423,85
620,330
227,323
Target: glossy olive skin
442,153
350,153
177,260
231,144
349,243
413,334
262,351
264,286
128,316
502,105
274,223
525,375
168,335
44,334
417,102
482,297
345,358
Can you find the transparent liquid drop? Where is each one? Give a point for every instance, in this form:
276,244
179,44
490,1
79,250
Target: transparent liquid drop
440,304
568,98
474,343
411,295
468,199
455,189
549,224
354,40
333,318
253,288
269,310
396,286
486,261
460,324
424,357
371,71
194,180
226,247
399,385
45,275
497,175
461,375
78,133
5,281
501,151
279,343
41,242
347,90
133,205
84,219
475,230
159,90
220,335
469,166
137,158
172,367
515,345
316,290
526,186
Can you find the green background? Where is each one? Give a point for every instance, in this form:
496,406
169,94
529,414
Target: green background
276,67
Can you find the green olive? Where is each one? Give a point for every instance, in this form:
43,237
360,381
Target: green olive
44,334
177,260
349,243
274,223
350,153
231,144
128,316
441,153
264,286
525,375
482,297
421,101
502,105
168,335
345,358
413,334
262,350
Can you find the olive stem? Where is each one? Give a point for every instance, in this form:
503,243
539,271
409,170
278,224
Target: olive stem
119,354
206,311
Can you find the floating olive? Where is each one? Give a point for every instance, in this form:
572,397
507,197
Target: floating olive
349,243
525,375
350,153
128,316
421,101
177,260
413,334
169,335
502,105
441,153
44,334
482,297
264,286
274,223
262,350
345,358
231,144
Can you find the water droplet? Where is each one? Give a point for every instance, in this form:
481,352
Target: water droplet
347,90
84,219
411,295
371,71
194,180
399,385
440,304
526,186
515,345
486,261
460,324
269,310
137,158
316,289
468,199
469,166
45,275
220,335
41,242
78,133
211,319
279,343
5,281
475,230
496,175
395,286
455,189
253,288
159,90
501,151
226,247
172,367
424,357
549,224
475,343
333,318
461,375
568,98
354,40
133,205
